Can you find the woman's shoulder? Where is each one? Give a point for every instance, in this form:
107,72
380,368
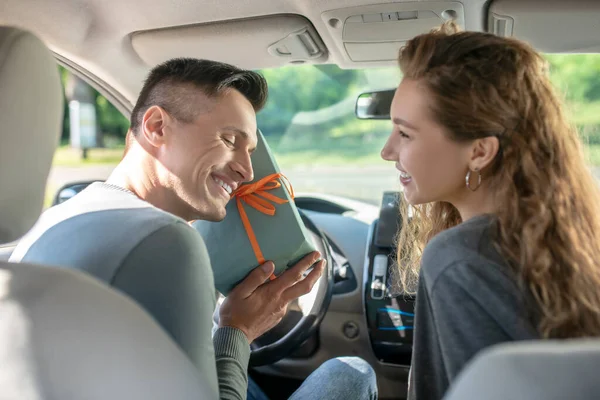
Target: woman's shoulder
470,243
466,236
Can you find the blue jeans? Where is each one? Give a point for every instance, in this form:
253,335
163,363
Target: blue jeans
343,378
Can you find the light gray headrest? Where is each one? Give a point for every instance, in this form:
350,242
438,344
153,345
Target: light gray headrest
31,110
532,370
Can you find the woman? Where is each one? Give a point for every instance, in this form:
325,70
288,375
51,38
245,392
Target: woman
505,214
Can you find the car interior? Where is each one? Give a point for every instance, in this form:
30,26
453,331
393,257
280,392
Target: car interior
91,342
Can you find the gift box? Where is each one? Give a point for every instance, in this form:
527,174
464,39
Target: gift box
262,224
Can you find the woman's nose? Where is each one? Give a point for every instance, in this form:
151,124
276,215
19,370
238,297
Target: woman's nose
387,153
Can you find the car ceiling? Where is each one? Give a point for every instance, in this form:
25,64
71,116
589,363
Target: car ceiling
97,37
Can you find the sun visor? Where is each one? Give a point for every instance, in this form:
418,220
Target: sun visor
551,26
255,43
375,33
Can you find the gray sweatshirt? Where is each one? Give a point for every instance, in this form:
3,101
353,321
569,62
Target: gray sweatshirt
468,299
153,257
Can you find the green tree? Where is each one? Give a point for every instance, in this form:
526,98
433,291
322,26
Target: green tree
576,75
298,88
293,89
110,120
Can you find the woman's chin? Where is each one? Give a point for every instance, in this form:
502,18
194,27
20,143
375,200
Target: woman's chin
414,199
410,197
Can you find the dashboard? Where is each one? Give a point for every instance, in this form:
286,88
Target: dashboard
364,319
389,316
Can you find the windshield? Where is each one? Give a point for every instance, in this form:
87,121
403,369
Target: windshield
322,147
309,123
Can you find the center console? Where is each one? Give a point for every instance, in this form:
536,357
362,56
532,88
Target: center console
390,316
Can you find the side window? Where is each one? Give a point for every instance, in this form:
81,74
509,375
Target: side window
577,77
310,124
93,137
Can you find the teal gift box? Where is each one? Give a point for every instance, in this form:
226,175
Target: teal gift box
280,237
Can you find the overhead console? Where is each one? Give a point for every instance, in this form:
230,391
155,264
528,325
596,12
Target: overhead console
551,26
375,33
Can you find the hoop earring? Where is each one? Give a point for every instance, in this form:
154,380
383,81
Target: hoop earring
468,180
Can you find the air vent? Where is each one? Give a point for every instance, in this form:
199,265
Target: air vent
501,25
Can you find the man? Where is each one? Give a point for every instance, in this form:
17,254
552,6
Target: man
193,130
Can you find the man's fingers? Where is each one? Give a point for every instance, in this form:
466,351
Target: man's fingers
257,277
296,273
305,285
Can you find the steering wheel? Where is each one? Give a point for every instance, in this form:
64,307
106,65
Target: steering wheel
303,317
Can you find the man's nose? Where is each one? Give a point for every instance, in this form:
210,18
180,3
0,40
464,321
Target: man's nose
243,168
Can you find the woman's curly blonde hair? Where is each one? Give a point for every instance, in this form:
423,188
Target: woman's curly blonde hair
548,227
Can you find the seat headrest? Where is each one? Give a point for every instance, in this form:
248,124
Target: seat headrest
31,110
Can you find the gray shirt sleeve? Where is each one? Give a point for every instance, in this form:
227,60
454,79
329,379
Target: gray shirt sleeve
164,275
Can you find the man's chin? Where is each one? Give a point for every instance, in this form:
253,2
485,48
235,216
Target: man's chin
216,215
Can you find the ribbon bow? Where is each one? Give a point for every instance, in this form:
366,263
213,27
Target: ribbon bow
257,196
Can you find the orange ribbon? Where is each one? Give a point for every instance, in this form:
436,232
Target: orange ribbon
256,195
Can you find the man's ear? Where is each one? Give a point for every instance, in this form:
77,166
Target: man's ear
483,152
153,125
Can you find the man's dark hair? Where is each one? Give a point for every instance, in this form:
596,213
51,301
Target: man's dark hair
173,85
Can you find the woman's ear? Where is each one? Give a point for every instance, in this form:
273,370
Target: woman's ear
484,152
153,123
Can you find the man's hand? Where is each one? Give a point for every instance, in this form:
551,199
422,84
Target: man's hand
254,306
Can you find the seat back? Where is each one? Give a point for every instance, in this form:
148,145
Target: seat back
64,335
539,370
31,109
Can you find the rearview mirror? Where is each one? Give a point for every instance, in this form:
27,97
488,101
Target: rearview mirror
374,105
